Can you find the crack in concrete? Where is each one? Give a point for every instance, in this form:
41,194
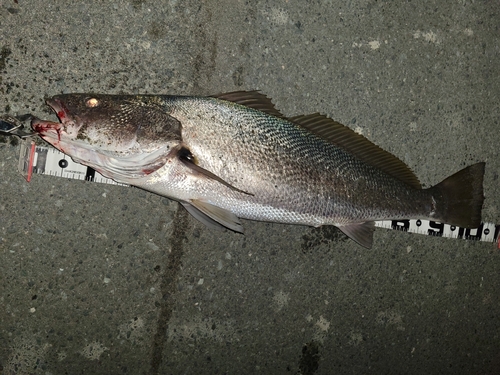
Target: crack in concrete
168,287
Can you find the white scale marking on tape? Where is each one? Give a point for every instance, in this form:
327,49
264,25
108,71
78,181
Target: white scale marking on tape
52,162
49,161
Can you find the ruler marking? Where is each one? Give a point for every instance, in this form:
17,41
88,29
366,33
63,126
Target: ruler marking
90,175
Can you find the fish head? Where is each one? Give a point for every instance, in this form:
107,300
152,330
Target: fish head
121,136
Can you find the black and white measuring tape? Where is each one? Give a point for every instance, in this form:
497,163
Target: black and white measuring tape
35,159
47,160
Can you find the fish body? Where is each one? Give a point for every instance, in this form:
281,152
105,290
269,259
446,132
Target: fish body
235,156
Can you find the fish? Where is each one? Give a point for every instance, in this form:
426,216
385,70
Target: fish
234,156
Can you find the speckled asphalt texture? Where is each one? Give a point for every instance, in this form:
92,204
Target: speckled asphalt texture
101,279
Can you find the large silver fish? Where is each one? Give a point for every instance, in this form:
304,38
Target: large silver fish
235,156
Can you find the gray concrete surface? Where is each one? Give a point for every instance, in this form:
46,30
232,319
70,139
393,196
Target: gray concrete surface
100,279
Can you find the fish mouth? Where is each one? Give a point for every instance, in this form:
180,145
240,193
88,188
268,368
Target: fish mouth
51,129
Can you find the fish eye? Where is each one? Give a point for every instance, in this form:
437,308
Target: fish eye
92,102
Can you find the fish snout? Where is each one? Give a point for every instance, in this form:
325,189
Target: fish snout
59,108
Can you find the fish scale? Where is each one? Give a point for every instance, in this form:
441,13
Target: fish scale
311,175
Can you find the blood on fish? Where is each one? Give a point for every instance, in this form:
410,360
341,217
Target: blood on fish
44,127
149,171
61,115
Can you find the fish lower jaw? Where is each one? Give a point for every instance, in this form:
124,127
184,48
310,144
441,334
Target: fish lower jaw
43,127
67,129
48,134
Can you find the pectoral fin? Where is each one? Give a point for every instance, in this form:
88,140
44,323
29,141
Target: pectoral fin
362,233
213,216
188,160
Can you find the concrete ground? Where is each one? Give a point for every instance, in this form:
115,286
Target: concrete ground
101,279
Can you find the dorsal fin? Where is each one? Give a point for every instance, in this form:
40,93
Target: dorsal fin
251,99
354,143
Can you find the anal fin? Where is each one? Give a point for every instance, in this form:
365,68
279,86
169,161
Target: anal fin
362,233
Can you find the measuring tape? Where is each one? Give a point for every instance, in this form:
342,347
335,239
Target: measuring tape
52,162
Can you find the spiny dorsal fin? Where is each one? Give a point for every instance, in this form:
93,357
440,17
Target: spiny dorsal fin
354,143
251,99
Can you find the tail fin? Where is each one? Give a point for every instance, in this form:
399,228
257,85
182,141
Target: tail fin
459,198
